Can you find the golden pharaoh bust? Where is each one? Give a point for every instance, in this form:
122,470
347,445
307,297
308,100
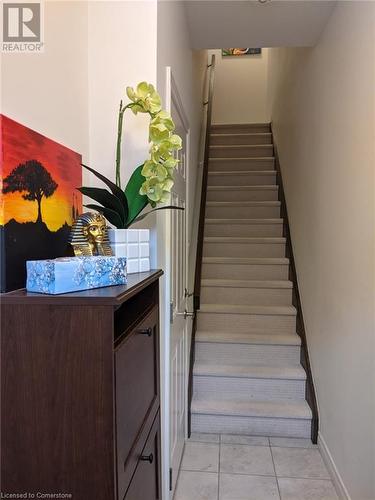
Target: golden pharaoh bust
89,235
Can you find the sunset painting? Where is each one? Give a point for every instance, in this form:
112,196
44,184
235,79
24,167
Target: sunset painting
38,198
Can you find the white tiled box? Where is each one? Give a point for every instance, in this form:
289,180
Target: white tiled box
133,244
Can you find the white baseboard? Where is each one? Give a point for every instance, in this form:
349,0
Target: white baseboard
332,469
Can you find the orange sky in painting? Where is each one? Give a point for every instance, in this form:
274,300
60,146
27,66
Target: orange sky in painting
18,144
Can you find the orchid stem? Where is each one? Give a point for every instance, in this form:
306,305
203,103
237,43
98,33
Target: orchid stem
118,147
119,137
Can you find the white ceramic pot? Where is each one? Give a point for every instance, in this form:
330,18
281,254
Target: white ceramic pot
134,244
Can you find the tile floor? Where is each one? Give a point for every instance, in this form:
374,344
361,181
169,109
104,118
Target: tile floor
227,467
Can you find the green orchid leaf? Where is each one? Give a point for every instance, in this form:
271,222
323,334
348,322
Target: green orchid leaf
112,186
107,199
111,216
136,201
171,207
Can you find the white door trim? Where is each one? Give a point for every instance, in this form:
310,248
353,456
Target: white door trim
164,259
174,96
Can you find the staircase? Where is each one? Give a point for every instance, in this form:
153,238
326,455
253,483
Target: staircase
247,377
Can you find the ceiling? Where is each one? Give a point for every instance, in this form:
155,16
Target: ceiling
249,23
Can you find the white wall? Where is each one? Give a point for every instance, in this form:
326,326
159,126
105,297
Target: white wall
173,49
122,52
48,91
240,94
323,111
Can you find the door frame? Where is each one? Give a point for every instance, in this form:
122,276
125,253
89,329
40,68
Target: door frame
163,225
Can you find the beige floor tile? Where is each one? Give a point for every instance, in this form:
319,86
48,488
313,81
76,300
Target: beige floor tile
300,463
203,437
250,440
306,489
241,487
292,442
196,486
201,457
243,459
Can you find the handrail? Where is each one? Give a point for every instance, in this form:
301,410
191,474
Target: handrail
202,211
202,214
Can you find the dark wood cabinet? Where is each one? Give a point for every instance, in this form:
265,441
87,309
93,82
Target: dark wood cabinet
145,483
80,392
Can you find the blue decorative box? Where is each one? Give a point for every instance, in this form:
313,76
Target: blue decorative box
72,274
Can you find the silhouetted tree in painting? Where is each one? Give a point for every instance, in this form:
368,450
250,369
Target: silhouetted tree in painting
33,178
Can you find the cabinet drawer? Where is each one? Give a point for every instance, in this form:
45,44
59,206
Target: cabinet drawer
145,482
137,393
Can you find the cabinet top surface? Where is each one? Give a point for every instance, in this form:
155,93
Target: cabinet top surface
110,295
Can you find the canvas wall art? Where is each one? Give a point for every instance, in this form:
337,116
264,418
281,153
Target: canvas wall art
38,199
240,52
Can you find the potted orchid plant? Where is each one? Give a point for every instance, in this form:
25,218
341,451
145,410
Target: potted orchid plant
150,183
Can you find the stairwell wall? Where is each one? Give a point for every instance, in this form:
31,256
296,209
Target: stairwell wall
240,88
323,112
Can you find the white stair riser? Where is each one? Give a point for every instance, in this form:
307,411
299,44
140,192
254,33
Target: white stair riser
243,179
242,128
245,271
241,151
240,139
246,296
243,212
233,194
239,164
272,323
244,230
221,249
246,389
225,353
256,426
